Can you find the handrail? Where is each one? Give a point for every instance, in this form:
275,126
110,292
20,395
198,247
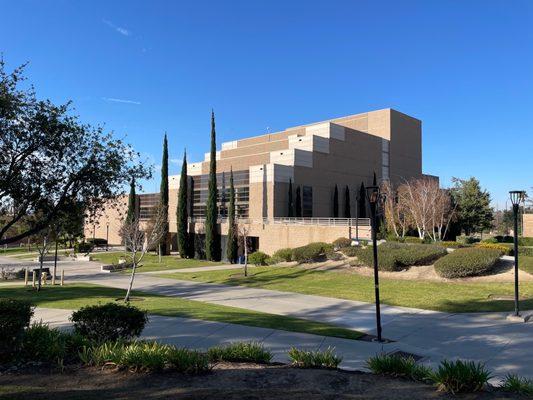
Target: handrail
362,222
321,221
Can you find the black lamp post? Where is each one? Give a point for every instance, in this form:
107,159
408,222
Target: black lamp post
517,196
374,198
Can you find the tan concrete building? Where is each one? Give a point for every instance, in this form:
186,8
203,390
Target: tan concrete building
528,225
313,158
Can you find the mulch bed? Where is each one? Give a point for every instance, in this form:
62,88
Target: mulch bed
228,381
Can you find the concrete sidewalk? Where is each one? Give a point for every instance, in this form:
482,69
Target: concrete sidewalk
201,335
506,347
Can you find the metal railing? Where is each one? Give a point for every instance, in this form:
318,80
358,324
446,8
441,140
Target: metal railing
319,221
361,222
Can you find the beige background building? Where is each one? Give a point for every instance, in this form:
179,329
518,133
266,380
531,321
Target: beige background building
314,158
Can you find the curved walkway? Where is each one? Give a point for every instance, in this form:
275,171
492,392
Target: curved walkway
503,345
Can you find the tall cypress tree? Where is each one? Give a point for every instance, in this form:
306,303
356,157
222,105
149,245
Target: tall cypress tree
212,238
298,206
132,203
232,246
336,202
347,210
362,201
290,203
163,193
182,217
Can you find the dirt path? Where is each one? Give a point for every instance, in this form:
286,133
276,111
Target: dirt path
503,272
228,382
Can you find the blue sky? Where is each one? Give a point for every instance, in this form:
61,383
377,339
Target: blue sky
145,67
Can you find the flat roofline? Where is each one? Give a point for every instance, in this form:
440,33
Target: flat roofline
327,120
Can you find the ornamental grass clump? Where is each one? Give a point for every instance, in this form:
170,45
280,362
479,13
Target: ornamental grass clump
240,352
519,385
41,343
314,359
143,356
398,366
460,376
467,262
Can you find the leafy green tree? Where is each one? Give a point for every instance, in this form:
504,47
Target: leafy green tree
212,237
298,206
347,211
474,213
163,193
50,160
336,202
290,201
232,246
182,217
362,201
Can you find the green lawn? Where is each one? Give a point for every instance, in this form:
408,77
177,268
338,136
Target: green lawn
150,262
77,295
525,263
439,296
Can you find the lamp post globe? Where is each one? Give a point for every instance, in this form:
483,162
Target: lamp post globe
516,197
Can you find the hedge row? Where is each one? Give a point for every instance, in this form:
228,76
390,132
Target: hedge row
399,256
473,261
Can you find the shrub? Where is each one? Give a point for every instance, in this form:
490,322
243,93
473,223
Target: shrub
333,255
314,359
450,244
525,251
516,384
341,242
311,252
240,352
460,376
273,260
109,322
393,238
413,239
492,240
97,242
525,241
466,239
394,256
283,254
15,316
258,258
419,254
467,262
386,260
83,247
397,366
504,250
351,251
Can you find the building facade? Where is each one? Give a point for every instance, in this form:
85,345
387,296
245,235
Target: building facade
312,159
